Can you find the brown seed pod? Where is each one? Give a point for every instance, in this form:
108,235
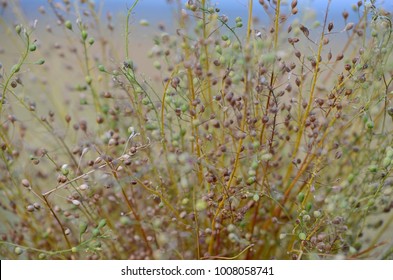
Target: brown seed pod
330,26
345,15
305,30
26,183
349,26
294,11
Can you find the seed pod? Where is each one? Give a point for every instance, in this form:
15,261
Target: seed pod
305,30
84,35
349,26
330,26
68,25
297,81
302,236
32,47
76,202
339,57
82,228
294,11
26,183
18,250
102,223
300,197
18,29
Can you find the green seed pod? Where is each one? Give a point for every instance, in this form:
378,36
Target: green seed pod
251,180
255,197
224,37
200,205
84,35
300,197
90,41
145,101
157,65
102,223
32,47
96,232
370,124
373,168
40,62
68,25
184,107
41,256
88,80
302,236
144,22
151,126
101,68
18,29
239,24
65,170
82,228
15,68
18,250
317,214
238,19
351,178
74,249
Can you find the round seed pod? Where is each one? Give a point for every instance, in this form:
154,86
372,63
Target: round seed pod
30,208
302,236
26,183
18,250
